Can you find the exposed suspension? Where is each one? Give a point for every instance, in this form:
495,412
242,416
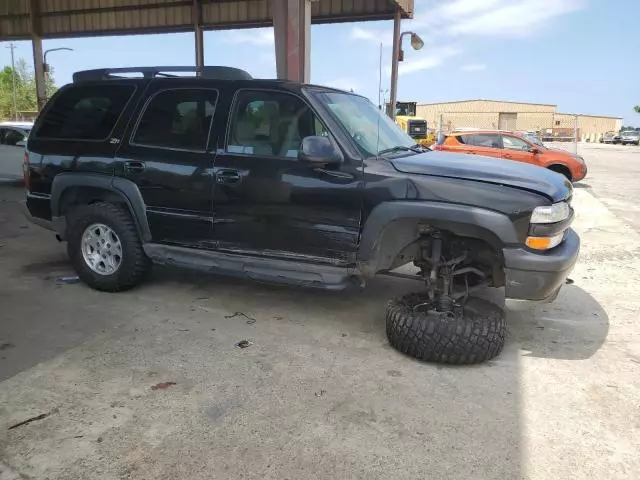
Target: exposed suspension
446,279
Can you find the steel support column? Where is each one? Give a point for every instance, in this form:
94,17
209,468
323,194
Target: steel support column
196,15
395,59
292,29
38,61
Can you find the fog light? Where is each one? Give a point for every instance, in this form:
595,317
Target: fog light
544,243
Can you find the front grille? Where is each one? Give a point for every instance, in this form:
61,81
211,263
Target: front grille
417,128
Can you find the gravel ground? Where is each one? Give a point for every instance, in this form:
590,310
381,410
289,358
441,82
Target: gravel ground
318,393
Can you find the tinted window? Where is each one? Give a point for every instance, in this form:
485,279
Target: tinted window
85,112
481,140
514,143
177,118
270,123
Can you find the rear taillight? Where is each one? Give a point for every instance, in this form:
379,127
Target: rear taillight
25,171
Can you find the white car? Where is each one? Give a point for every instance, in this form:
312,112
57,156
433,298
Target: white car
14,133
630,137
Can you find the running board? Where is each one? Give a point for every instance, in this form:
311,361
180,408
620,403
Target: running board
286,272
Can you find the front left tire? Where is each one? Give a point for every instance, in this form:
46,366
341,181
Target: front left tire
104,247
473,335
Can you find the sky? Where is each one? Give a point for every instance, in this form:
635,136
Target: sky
583,55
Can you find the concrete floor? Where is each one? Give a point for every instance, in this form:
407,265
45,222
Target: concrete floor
319,393
613,177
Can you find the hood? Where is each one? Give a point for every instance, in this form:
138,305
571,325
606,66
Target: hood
630,135
562,151
488,170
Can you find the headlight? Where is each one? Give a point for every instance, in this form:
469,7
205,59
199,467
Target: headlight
551,214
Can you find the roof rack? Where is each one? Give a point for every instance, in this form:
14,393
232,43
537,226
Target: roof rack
218,73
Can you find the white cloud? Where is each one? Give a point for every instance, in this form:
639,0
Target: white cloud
519,18
498,18
343,83
371,35
460,8
253,36
358,33
432,60
473,67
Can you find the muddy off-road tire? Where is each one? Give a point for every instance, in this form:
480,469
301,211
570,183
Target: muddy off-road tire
104,247
474,337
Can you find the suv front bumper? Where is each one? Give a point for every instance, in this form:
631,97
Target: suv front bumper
540,275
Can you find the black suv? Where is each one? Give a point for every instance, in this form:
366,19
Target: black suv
298,184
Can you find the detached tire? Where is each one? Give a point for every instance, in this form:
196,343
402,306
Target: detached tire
104,247
474,337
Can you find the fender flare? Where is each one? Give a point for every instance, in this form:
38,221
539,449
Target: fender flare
391,226
122,187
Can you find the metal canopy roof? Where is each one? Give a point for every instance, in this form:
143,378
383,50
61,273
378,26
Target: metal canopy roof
19,19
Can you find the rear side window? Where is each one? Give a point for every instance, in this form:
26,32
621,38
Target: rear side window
85,112
177,119
482,140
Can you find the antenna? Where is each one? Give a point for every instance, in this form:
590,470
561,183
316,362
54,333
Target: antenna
379,94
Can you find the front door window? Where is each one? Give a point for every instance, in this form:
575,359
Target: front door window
514,143
270,124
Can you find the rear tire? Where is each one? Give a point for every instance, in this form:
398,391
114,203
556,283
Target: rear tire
475,336
131,264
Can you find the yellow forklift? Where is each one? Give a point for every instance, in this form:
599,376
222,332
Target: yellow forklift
415,127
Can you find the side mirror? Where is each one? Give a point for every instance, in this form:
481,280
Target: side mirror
534,150
318,150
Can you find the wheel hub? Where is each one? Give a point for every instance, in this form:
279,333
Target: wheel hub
101,249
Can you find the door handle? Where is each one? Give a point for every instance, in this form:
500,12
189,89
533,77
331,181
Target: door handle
228,177
134,167
506,155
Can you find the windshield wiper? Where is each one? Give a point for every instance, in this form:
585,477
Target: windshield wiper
399,148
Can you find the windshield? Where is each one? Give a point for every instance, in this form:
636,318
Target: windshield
362,119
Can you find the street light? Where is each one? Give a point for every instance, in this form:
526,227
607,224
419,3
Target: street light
46,67
398,55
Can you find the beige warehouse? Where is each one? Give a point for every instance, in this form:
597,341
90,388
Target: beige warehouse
504,115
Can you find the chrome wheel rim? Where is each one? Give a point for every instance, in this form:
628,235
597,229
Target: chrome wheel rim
101,249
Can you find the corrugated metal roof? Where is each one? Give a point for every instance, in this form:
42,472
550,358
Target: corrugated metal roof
73,18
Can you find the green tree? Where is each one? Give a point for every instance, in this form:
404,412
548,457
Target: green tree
637,108
25,81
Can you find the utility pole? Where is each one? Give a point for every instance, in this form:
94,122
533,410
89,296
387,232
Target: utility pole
575,134
395,58
13,80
